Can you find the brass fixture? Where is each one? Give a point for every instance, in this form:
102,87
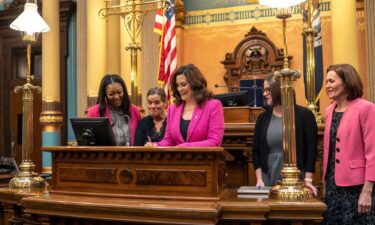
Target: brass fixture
290,188
30,23
133,12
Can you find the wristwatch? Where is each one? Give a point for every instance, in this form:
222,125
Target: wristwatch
308,179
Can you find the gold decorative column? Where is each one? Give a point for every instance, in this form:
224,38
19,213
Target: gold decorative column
51,117
96,49
125,58
344,32
310,33
27,179
291,188
30,24
370,34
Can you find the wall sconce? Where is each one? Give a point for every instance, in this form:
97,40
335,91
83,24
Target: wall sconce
30,24
291,188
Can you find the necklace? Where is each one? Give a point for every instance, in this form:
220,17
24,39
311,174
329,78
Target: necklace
158,125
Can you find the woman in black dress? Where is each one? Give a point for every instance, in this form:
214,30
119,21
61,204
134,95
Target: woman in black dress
152,127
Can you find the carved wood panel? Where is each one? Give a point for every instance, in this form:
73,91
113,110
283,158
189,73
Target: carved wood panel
254,57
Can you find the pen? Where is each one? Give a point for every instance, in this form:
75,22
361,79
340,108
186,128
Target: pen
149,139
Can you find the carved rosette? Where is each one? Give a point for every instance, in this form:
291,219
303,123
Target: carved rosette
51,117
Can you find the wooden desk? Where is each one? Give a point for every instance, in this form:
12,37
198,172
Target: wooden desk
4,179
52,208
167,186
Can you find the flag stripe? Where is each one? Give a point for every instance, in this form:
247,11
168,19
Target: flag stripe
165,27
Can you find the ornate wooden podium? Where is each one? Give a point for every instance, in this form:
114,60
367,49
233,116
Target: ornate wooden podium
170,173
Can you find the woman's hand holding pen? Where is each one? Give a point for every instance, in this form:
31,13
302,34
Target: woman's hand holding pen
149,142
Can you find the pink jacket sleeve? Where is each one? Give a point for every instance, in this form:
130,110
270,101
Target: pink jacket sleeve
93,111
135,118
367,123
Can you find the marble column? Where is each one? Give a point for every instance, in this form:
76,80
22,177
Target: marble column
180,18
81,58
113,42
149,56
96,49
344,32
51,116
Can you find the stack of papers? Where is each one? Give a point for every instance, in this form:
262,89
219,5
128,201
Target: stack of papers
253,192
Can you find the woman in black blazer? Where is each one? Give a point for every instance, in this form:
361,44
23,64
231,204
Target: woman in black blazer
268,145
152,128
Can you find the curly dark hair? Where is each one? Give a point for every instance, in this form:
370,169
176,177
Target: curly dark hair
197,83
158,91
110,79
350,78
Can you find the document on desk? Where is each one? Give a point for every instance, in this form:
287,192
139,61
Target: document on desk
253,190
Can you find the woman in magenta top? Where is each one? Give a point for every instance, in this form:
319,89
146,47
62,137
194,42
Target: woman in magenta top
196,119
114,103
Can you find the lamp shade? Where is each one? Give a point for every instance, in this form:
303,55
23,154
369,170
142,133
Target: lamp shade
280,3
30,21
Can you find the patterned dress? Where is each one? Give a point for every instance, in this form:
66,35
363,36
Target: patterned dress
120,126
342,202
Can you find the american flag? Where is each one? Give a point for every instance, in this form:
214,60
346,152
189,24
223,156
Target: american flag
165,27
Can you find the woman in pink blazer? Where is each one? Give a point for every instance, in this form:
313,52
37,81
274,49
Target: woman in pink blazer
195,119
114,103
349,150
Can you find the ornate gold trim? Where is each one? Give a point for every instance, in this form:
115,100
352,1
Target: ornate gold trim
247,14
50,119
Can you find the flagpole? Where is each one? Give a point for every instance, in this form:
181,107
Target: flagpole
310,33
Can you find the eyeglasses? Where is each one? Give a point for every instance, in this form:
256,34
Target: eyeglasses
267,90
